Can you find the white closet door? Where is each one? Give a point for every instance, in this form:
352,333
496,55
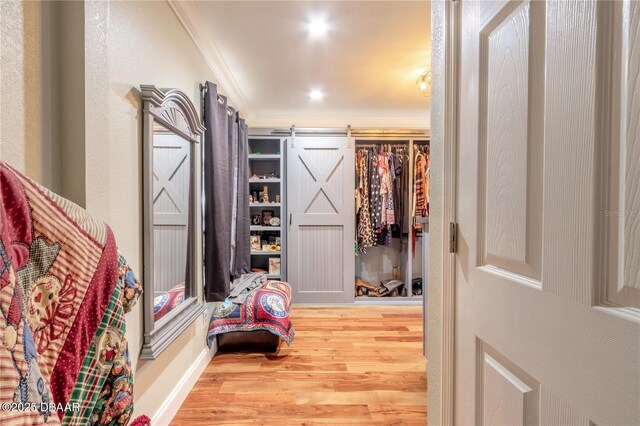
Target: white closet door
547,279
320,186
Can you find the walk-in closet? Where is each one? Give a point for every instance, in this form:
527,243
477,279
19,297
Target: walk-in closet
391,195
347,212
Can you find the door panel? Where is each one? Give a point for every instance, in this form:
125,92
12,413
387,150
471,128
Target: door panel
510,397
324,243
569,144
171,189
533,338
622,210
321,226
510,152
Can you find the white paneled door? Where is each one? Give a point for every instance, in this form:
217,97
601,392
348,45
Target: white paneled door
320,184
548,206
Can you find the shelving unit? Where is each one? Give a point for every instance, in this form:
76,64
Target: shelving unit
266,158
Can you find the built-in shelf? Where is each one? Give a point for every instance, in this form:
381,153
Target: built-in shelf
265,205
265,156
266,159
264,228
270,180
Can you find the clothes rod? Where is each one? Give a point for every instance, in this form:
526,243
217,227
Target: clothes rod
354,132
366,143
381,147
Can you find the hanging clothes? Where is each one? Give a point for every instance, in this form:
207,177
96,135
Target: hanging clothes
421,191
387,188
364,237
401,160
375,182
378,194
427,177
420,179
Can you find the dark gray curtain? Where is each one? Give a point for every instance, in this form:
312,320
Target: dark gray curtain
243,221
232,138
227,252
217,187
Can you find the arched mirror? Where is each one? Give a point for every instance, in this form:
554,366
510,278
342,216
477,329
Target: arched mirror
172,131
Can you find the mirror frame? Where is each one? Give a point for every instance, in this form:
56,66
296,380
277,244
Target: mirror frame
173,110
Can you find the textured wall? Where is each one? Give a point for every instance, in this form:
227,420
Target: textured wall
85,139
21,91
128,44
42,96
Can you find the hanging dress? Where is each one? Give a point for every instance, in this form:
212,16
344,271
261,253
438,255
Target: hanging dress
364,229
375,199
420,195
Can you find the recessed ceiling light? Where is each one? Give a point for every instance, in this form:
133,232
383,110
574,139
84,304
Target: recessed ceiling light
318,27
316,95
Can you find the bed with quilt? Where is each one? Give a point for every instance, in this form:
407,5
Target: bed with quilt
254,316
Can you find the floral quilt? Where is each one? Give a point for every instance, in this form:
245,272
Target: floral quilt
64,290
265,308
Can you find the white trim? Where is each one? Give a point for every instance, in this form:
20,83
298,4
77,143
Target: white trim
172,403
190,20
451,83
441,288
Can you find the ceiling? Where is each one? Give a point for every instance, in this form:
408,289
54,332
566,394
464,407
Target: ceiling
267,63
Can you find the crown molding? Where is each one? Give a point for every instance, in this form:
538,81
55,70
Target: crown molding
404,122
192,23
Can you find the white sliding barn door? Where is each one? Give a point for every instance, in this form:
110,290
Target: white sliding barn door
320,186
548,206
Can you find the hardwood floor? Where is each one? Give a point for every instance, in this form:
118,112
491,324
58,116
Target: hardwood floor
346,366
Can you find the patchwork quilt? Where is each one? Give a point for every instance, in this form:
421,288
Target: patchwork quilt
64,290
167,301
266,308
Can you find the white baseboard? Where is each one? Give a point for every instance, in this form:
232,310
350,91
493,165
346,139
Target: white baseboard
172,403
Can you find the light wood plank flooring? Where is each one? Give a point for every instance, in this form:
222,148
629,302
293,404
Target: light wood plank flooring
346,366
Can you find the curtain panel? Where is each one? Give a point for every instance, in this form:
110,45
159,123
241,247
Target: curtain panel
226,196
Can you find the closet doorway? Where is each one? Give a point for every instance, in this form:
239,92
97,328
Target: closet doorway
392,223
